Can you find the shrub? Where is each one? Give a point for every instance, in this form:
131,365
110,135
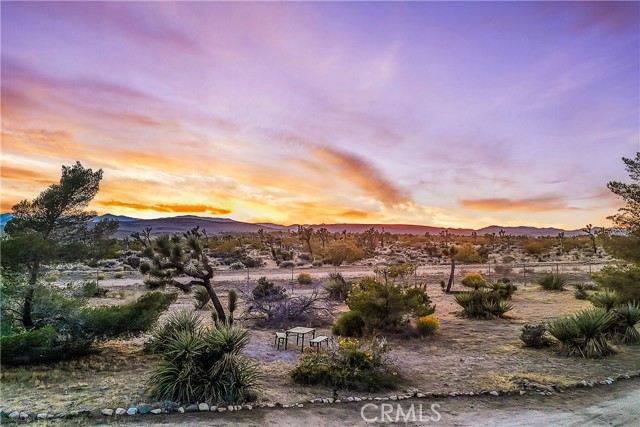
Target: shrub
266,289
623,330
552,282
482,304
427,324
386,306
286,264
534,336
468,254
178,322
584,333
341,251
202,298
504,288
338,287
118,275
474,280
624,280
606,299
28,347
51,277
100,276
237,266
91,289
317,263
352,366
581,294
503,269
206,365
350,324
305,279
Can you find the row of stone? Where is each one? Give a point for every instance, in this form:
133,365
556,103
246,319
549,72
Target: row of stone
173,407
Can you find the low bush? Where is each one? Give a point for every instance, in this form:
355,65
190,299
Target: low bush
624,280
237,266
29,347
584,334
482,304
337,287
352,365
266,289
627,317
287,264
504,288
350,324
474,280
606,299
91,289
534,336
581,294
427,325
552,282
118,275
177,323
206,365
502,269
304,279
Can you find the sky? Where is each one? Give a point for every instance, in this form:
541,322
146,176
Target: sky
448,114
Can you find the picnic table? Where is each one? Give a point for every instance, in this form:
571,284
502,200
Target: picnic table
300,332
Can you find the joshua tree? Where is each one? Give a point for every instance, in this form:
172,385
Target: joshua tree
305,234
176,256
561,239
446,237
451,252
323,234
592,232
269,241
492,239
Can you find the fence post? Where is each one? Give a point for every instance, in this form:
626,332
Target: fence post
524,273
557,267
489,273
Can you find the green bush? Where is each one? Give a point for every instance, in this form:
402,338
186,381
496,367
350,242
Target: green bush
118,275
237,266
504,288
534,336
385,307
206,365
474,280
91,289
581,294
350,324
482,304
624,280
552,282
606,299
352,366
177,323
202,298
28,347
627,317
338,287
266,289
584,334
304,279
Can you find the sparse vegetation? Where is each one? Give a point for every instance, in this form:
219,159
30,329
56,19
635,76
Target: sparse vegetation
350,324
427,325
552,282
338,287
304,279
584,334
534,336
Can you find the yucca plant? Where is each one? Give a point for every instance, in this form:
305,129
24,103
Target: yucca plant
206,365
504,288
232,304
482,304
338,287
534,336
176,324
552,282
627,316
584,334
606,299
202,299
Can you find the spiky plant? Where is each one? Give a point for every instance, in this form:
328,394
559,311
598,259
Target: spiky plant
606,299
337,286
202,299
627,316
206,365
504,288
534,336
482,304
552,282
176,324
584,334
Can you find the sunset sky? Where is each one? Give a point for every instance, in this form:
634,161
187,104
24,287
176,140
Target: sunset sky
444,114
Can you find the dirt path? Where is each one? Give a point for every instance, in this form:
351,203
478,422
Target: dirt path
615,405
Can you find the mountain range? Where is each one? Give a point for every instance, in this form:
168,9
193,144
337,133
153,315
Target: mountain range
179,224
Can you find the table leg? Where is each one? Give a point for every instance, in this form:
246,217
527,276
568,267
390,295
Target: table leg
286,340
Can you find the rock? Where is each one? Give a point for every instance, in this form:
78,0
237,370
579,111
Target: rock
316,401
191,408
170,406
522,392
300,405
453,394
213,408
221,409
203,407
470,393
420,395
393,397
23,415
13,415
325,400
330,400
338,401
42,416
271,405
144,409
121,411
107,411
350,399
357,399
237,407
378,399
494,393
156,411
230,408
247,407
181,410
610,379
132,411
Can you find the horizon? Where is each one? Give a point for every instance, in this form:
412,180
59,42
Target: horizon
449,115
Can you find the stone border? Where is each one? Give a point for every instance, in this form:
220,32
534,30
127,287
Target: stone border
172,407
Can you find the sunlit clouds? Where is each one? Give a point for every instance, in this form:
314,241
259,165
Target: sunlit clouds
444,114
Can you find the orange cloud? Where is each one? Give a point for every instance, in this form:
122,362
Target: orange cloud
365,176
166,207
535,204
11,172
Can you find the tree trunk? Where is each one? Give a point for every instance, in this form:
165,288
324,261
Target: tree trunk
453,269
222,317
27,306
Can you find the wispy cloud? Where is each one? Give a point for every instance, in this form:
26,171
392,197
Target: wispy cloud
533,204
167,207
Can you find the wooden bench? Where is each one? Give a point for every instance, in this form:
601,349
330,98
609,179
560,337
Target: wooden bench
281,338
317,342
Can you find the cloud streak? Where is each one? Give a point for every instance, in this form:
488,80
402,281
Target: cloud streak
167,207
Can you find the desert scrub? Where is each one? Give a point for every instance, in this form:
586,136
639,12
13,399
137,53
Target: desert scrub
627,317
118,275
427,325
237,266
504,288
51,277
177,323
90,289
474,280
552,282
584,334
606,299
350,324
304,279
268,290
206,365
534,336
580,293
482,304
352,365
337,287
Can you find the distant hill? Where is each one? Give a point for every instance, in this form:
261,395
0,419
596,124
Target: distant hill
180,224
